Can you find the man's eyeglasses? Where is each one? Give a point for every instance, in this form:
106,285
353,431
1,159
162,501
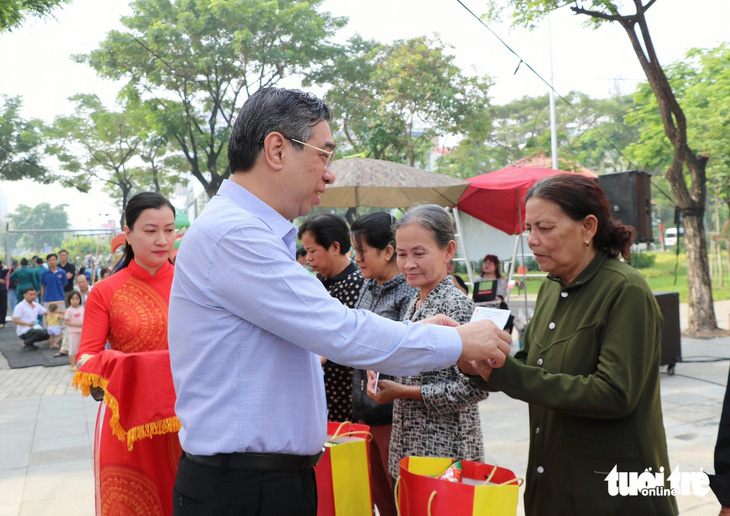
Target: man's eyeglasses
330,154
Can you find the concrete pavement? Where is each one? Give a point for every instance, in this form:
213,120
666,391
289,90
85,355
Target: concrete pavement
46,430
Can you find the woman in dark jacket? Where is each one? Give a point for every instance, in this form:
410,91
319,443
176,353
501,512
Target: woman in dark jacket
590,364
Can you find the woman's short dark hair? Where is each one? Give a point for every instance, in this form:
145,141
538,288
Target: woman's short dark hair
579,196
432,217
327,228
135,206
293,113
493,258
376,229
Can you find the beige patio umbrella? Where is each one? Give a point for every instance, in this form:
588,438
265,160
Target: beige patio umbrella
384,184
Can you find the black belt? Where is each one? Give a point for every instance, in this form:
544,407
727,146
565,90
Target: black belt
257,461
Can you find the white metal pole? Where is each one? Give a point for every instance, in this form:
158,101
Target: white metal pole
553,121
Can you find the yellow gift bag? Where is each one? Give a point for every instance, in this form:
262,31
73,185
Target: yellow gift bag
343,473
485,490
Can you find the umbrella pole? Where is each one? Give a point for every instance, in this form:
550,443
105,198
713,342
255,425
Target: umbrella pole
462,245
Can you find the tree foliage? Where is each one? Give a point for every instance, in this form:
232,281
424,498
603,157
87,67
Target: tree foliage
41,216
114,147
14,12
79,247
392,100
701,83
631,16
591,133
20,143
192,64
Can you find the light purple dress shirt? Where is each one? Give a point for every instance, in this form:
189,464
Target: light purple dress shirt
247,324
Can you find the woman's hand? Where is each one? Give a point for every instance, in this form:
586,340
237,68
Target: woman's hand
388,390
97,393
476,368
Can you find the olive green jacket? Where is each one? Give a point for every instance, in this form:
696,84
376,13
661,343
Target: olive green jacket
590,372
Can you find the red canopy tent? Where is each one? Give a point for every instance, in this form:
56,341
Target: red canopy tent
498,198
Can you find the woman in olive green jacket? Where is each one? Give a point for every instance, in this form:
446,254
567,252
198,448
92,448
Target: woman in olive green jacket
590,364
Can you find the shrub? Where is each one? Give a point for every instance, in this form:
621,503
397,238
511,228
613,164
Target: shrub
642,260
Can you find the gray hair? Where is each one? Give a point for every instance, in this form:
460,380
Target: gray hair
432,217
292,113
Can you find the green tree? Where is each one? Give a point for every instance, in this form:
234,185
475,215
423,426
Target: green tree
591,133
20,143
81,246
109,146
631,16
392,100
14,12
42,216
701,83
193,63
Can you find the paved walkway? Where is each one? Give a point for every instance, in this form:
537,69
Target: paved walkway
46,429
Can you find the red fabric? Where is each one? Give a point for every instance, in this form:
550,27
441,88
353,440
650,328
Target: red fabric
493,197
117,241
129,310
148,399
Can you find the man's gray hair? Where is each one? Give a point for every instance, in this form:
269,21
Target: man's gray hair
292,113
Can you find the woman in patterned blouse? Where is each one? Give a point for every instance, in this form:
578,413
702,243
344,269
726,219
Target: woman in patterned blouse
326,239
435,414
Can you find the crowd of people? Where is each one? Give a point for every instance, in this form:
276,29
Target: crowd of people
59,313
262,352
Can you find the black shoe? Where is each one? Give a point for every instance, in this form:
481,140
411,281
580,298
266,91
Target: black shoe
29,347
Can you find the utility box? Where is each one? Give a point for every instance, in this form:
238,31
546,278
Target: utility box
629,199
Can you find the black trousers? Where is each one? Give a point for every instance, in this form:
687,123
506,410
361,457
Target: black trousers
3,303
202,490
35,335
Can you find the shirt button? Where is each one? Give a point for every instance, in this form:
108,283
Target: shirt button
537,430
539,361
563,294
540,469
551,325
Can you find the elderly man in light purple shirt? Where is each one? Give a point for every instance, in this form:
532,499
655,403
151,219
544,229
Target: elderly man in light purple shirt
247,324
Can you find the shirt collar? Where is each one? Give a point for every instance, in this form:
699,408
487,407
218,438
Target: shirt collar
586,274
393,282
281,227
139,272
342,275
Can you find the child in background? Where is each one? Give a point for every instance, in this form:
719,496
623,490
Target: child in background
74,321
53,321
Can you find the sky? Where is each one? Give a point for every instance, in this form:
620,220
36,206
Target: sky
35,60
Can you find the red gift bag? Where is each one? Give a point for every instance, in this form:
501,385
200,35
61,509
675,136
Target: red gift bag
343,472
485,491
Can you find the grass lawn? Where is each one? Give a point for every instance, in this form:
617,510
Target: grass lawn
660,277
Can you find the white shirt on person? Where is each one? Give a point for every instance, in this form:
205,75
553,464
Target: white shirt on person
27,312
83,296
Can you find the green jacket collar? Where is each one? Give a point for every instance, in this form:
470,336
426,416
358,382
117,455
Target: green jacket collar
586,274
